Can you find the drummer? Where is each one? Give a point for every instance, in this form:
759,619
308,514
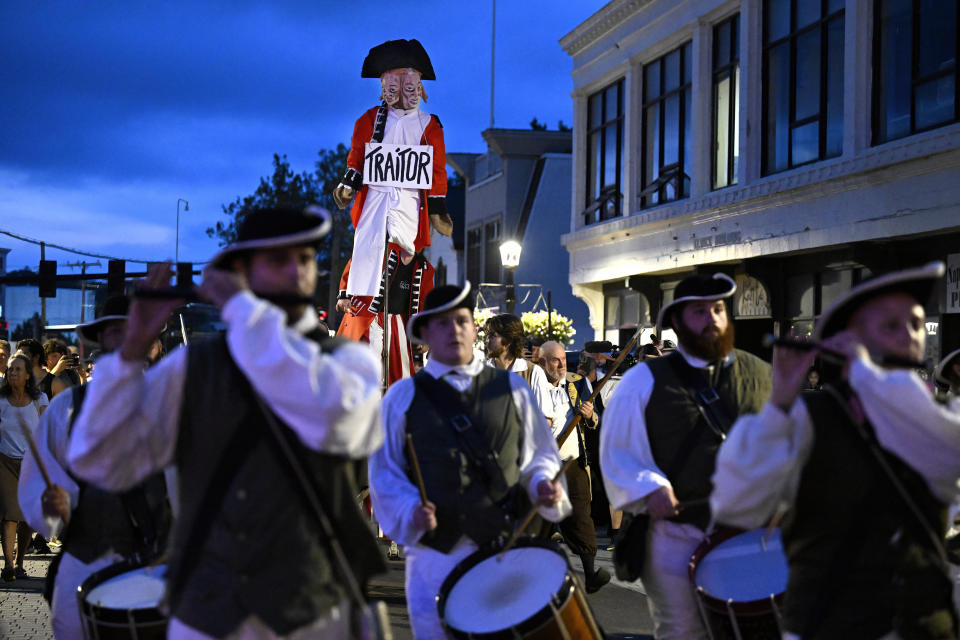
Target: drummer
248,559
102,530
866,467
469,422
660,434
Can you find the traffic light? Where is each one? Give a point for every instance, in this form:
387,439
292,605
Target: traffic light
116,276
184,275
48,279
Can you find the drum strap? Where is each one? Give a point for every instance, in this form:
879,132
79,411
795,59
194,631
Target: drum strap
474,440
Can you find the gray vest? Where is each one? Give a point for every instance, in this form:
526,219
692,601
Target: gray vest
468,503
264,554
858,558
103,520
672,413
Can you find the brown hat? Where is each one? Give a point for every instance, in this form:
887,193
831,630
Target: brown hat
696,287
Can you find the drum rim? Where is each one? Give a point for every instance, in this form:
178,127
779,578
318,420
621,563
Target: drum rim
536,620
96,612
760,605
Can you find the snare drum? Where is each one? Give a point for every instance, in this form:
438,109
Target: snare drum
530,594
122,602
740,579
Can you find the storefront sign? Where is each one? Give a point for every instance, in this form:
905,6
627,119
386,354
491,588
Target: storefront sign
717,240
953,283
751,299
398,165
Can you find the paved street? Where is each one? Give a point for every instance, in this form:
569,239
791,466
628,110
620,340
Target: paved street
620,608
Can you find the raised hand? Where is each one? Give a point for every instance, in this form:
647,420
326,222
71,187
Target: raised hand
220,285
148,316
790,367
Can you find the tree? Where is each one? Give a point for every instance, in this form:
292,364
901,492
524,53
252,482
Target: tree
536,125
29,328
286,188
561,126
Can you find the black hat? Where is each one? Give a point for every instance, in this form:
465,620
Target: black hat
397,54
598,346
441,299
696,287
113,308
277,227
917,282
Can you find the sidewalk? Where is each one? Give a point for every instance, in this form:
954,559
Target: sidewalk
24,614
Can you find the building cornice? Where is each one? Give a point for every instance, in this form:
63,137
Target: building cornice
600,23
804,183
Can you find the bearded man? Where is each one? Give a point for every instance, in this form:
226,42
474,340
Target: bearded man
660,437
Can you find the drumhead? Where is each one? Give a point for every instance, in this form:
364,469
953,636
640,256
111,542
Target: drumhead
742,570
137,589
500,594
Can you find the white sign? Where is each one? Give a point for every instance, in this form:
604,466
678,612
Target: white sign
398,165
953,283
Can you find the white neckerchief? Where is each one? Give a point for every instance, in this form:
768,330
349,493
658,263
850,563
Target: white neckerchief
459,376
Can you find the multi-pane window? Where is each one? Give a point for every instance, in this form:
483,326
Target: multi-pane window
475,255
666,128
491,257
726,102
915,67
604,154
803,82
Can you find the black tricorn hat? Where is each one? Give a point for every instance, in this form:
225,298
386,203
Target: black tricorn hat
440,300
917,282
397,54
598,346
113,308
276,227
696,287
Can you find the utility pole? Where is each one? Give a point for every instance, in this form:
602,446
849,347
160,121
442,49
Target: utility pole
43,301
493,57
83,283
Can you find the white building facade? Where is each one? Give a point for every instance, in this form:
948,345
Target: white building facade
798,145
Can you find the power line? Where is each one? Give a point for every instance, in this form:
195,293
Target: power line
77,251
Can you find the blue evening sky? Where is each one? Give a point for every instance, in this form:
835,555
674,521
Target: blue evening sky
111,111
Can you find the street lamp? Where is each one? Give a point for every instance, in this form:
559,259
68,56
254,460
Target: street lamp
510,258
186,207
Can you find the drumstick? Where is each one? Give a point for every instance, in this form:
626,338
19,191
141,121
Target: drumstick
530,514
33,450
689,504
416,470
774,523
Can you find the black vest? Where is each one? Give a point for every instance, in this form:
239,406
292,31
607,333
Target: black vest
264,553
672,413
859,559
104,521
468,503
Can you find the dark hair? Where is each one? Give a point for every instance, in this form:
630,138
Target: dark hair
30,387
70,378
32,348
5,343
55,346
508,327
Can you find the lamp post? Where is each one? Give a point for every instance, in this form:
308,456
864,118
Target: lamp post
186,207
510,258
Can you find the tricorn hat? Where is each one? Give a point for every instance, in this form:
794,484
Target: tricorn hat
696,287
917,282
440,300
397,54
276,227
113,308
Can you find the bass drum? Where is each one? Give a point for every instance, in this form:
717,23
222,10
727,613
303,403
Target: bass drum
740,578
531,593
122,602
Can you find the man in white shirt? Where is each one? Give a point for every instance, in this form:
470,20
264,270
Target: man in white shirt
661,431
567,395
207,408
462,416
505,351
864,468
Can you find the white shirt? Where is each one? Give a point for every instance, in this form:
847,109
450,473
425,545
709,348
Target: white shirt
629,470
539,384
760,463
13,443
128,425
560,412
395,498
